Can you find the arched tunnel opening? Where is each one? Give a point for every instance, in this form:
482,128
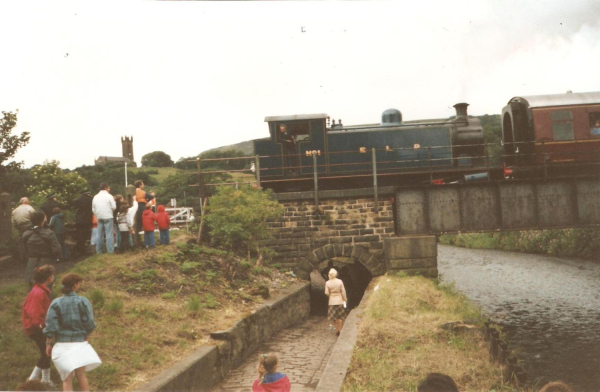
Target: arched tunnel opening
356,278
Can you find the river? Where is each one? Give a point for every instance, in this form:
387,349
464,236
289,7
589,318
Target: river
549,306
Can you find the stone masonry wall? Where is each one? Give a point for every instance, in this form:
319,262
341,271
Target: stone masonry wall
347,222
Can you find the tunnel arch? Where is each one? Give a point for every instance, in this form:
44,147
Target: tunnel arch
319,259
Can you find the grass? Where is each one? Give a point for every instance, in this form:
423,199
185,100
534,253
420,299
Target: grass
400,339
150,314
163,173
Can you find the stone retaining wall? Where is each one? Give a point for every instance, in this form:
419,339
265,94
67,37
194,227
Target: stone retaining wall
208,365
412,255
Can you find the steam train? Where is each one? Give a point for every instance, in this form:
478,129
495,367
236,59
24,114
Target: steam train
540,134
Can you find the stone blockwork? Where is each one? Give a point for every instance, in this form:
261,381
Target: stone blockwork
343,225
412,254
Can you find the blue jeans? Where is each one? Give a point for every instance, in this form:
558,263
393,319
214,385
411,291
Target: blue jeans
105,229
149,239
117,236
164,236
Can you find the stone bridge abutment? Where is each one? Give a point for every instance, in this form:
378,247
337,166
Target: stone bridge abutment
346,228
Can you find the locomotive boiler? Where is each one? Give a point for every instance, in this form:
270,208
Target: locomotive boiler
403,152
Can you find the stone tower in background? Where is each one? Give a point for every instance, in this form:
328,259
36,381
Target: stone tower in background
127,143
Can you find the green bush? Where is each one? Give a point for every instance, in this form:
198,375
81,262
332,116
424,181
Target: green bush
115,306
97,298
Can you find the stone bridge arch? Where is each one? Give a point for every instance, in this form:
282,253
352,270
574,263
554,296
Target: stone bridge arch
319,258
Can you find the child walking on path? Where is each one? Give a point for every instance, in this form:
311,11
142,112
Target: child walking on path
125,224
269,380
57,224
34,319
148,219
70,321
164,224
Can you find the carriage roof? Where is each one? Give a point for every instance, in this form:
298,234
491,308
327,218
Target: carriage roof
537,101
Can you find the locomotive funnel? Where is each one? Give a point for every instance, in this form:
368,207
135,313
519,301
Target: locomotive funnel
461,111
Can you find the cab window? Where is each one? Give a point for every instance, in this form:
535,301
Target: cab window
595,123
562,125
299,129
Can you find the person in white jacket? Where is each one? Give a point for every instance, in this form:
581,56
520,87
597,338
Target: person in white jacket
103,206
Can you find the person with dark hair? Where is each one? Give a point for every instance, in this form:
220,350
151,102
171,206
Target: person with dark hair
289,142
57,225
83,220
49,206
125,222
119,200
39,245
437,382
164,224
103,206
33,318
269,380
70,321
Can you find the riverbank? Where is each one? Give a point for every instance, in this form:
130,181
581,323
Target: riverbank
152,307
583,243
401,340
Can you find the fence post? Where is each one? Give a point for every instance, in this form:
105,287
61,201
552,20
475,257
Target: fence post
374,156
487,161
314,155
200,181
430,168
544,159
257,167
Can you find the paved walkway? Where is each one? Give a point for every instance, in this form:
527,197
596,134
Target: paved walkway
303,351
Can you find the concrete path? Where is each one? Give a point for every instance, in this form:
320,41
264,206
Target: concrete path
303,351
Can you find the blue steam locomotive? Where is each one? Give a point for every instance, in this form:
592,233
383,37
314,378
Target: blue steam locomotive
402,152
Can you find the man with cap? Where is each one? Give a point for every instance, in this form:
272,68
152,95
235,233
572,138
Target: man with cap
21,219
49,206
83,220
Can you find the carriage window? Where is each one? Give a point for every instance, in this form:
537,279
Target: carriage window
562,125
595,124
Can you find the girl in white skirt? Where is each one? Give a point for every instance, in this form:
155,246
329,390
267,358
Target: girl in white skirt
70,321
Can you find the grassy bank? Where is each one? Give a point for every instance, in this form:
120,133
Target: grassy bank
152,308
400,340
569,242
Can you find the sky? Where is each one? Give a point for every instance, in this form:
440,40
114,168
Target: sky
184,77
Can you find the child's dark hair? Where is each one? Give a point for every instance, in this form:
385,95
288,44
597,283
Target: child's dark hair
56,210
138,183
266,364
437,382
124,208
37,217
68,281
41,274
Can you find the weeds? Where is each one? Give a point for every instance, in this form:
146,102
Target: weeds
97,298
115,306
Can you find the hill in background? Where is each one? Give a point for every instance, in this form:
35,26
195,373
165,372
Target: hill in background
246,147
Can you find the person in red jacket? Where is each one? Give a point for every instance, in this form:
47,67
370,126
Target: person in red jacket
269,380
164,224
148,219
34,319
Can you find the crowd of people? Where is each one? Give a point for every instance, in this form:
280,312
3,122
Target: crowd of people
108,222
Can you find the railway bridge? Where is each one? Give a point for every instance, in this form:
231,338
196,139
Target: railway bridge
374,230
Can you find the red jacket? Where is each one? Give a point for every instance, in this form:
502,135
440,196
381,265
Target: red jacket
148,219
281,385
35,308
162,218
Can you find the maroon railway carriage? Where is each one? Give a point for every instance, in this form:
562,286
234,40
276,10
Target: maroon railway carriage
547,131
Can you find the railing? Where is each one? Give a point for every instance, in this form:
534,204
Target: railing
534,158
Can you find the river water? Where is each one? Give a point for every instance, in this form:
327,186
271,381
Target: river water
550,308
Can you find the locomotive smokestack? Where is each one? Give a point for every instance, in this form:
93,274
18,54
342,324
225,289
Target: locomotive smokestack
461,111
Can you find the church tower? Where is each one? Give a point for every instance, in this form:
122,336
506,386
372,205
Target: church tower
127,143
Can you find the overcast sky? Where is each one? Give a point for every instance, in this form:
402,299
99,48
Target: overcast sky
184,77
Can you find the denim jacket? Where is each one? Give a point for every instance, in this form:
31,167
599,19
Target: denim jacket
70,318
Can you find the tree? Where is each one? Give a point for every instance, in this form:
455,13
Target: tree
10,144
157,159
238,217
49,178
